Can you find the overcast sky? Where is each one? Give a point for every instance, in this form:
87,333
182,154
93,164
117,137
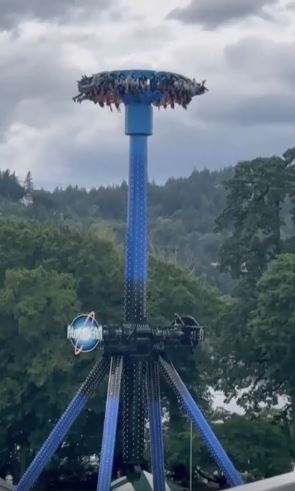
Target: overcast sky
243,48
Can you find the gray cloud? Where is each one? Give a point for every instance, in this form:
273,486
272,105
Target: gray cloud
263,61
290,6
30,74
248,111
213,13
255,86
271,109
15,11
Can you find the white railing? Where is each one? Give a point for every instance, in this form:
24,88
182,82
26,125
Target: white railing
285,482
5,486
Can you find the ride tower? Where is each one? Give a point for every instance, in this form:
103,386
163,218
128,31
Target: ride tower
135,352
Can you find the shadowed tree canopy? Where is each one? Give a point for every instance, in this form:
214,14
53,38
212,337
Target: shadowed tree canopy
10,188
35,305
273,323
253,219
253,215
260,445
255,343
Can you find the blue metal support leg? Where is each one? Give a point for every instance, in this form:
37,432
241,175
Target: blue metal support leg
110,425
62,427
155,423
195,414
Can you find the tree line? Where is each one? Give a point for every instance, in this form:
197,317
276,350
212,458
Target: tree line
181,213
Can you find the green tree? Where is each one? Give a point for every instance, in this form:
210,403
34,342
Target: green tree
254,223
273,325
35,306
10,187
42,205
28,184
259,445
94,262
33,293
253,215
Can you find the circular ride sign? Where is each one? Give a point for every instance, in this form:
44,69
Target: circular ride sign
85,333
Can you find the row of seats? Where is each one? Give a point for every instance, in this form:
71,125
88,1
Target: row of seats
163,90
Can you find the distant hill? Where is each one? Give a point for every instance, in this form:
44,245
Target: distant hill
182,214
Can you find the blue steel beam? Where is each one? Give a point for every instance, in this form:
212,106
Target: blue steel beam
62,427
195,414
155,423
110,425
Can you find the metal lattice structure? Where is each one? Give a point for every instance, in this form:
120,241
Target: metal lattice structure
135,352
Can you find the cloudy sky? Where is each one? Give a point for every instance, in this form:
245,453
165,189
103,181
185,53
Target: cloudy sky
243,48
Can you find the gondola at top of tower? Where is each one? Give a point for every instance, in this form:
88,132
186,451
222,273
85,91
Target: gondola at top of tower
162,89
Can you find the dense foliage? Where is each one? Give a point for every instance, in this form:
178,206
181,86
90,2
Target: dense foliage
257,343
47,275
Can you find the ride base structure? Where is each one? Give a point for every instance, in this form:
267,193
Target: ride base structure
135,353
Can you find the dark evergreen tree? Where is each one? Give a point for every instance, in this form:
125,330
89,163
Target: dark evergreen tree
10,187
28,184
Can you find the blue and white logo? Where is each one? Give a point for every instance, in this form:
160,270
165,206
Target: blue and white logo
85,333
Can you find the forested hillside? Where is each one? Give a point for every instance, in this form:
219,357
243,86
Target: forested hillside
182,214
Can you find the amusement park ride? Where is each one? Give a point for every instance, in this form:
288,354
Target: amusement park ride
135,352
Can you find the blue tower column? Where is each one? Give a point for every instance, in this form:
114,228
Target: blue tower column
138,125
